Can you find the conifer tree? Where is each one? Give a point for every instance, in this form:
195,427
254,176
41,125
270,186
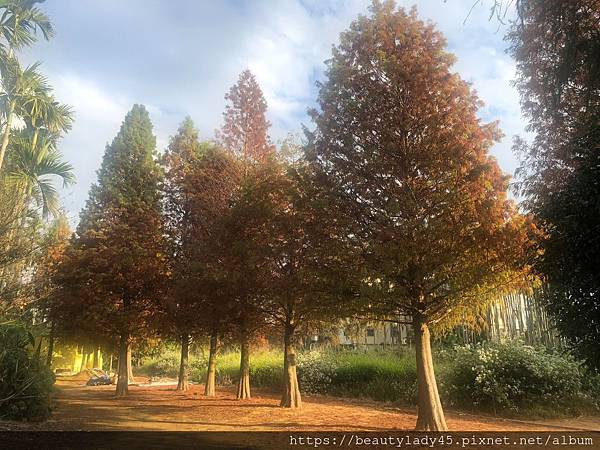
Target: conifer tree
305,286
556,46
404,158
182,150
245,135
199,183
245,126
114,270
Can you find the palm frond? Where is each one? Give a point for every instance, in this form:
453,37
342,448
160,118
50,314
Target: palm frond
21,21
34,170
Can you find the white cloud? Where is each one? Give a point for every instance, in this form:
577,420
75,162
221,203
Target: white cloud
181,61
88,99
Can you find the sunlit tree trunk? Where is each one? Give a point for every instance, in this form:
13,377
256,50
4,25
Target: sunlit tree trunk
89,361
430,412
96,358
211,372
291,394
130,376
182,382
84,358
243,391
124,366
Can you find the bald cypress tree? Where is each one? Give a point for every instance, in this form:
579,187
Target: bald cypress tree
245,135
115,266
183,149
200,181
245,126
404,159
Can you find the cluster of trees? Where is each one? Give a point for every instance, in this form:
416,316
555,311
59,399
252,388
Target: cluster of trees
32,122
557,49
392,207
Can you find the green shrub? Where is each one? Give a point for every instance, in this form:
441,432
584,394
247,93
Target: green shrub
25,382
315,371
383,376
165,365
514,378
265,369
506,378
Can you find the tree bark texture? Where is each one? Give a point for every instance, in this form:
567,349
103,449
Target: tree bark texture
182,382
291,394
130,377
50,346
430,412
124,367
211,372
243,391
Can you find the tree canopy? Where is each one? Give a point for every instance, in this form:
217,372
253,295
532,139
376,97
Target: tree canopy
115,269
405,160
557,49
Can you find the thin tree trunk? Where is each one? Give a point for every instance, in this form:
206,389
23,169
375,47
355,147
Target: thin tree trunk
89,360
209,386
130,376
123,372
182,383
431,414
291,394
95,360
84,358
110,364
6,135
50,346
38,349
243,391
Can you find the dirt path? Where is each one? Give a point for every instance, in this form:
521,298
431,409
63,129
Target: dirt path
161,408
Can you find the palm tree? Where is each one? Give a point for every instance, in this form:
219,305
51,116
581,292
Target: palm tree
20,21
21,92
33,170
41,111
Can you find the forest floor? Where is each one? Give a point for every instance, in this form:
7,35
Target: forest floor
162,408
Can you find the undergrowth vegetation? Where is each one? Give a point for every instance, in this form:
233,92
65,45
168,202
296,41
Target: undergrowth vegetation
25,382
507,379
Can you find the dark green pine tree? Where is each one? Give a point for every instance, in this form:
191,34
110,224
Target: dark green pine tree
115,269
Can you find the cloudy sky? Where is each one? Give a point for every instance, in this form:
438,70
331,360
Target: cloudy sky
179,57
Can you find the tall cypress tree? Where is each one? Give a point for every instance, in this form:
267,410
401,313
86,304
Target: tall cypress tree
183,149
200,180
115,267
245,135
404,160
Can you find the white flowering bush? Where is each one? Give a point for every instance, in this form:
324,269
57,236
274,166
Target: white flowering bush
315,371
513,377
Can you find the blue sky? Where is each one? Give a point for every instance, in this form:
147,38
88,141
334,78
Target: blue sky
179,57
